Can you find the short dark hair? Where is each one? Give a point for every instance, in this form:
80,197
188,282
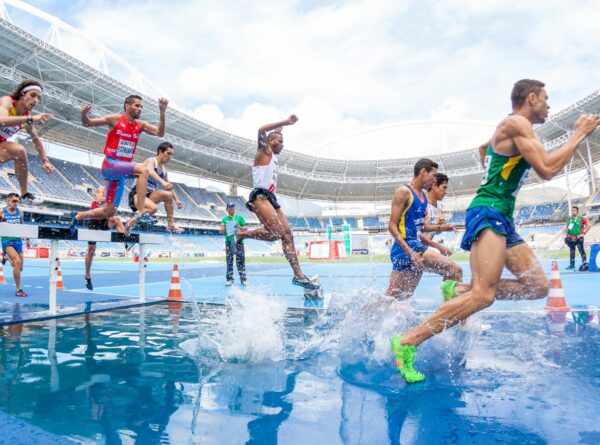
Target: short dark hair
272,134
129,99
426,164
164,146
17,93
13,195
440,178
524,88
576,208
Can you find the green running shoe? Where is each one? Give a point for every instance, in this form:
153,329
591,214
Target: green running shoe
405,360
448,289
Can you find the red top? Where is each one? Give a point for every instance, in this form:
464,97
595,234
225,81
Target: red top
95,205
122,140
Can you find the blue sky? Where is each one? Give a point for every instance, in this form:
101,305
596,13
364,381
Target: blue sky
344,66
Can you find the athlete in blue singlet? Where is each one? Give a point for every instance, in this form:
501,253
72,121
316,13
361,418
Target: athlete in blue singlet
12,247
410,254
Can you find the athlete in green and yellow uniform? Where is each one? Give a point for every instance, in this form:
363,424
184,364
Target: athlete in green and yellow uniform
490,233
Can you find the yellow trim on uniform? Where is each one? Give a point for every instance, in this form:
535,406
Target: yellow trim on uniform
509,166
402,223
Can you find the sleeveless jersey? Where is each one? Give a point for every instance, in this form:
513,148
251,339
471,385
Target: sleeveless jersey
433,217
502,179
265,176
152,184
413,217
95,205
11,218
6,132
122,140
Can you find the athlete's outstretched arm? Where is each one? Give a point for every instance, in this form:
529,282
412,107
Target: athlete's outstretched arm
86,121
269,127
39,147
482,151
159,130
7,120
547,165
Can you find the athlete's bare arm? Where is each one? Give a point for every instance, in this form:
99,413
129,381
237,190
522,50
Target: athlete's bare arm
178,203
7,120
159,130
482,151
263,152
109,120
431,243
547,165
149,164
39,147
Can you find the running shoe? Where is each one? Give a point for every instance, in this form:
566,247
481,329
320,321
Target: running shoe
305,283
73,223
228,282
405,360
3,260
88,284
20,293
584,267
570,267
243,282
32,200
147,219
448,289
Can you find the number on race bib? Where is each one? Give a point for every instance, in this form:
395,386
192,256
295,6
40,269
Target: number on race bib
125,149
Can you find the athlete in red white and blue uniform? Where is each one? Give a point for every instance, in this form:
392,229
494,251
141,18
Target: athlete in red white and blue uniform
118,165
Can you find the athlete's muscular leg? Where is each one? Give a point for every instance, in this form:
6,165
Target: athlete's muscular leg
89,257
166,197
101,212
266,214
487,261
403,283
435,262
141,184
11,151
287,243
16,261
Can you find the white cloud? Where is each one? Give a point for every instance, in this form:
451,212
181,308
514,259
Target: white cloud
345,66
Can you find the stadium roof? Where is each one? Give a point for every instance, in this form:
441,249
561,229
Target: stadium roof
208,152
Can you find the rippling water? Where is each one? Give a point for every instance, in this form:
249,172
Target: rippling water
253,372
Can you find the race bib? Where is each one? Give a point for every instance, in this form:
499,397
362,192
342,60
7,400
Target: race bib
571,225
125,149
8,132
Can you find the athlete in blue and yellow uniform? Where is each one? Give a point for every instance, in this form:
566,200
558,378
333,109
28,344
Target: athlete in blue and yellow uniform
410,254
12,247
490,234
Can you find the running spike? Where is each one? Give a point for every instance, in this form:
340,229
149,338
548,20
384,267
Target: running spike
405,360
448,290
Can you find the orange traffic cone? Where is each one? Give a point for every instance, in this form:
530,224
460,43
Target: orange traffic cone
556,298
175,289
59,280
2,280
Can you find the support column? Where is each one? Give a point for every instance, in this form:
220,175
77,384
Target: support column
592,182
142,272
53,273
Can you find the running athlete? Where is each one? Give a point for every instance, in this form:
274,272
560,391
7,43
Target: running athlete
490,232
14,116
158,175
118,165
410,254
98,223
263,202
12,248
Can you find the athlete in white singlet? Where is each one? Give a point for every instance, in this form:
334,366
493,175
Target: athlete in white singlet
157,177
263,202
14,116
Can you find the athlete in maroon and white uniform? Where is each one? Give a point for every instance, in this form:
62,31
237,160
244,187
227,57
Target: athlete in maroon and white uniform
118,165
263,202
14,116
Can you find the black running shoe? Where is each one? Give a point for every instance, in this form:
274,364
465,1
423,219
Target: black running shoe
88,284
32,200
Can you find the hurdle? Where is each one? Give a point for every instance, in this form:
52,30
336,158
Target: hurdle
56,234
